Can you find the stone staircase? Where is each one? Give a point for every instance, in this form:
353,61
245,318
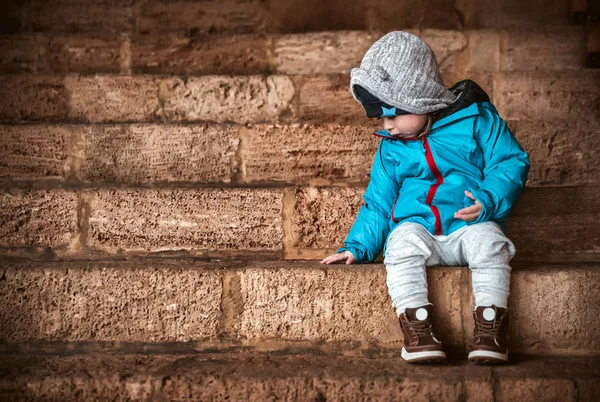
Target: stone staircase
170,172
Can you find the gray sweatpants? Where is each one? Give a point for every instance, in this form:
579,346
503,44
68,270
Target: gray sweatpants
483,246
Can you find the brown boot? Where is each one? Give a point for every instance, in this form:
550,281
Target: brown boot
491,326
420,344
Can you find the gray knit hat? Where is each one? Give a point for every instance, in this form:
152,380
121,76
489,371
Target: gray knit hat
401,70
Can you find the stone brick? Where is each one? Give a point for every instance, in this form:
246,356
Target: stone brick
391,15
145,153
321,52
323,216
212,16
551,221
151,220
483,51
307,153
27,97
80,15
18,54
548,95
255,376
38,218
83,301
552,295
449,47
250,99
336,304
199,55
476,14
544,49
34,151
328,99
547,221
113,98
291,16
61,54
534,389
556,158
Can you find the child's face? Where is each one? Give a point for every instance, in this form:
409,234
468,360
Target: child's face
406,125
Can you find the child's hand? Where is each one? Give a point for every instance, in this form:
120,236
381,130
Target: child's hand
345,255
470,213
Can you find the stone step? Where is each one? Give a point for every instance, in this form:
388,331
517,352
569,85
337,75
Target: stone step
466,51
236,16
262,154
254,303
534,95
252,376
303,222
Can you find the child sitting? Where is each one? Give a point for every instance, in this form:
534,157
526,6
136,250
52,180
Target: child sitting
446,174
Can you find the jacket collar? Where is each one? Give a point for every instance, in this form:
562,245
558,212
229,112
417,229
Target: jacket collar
468,93
471,110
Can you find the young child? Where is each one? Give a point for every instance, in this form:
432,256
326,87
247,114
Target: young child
446,174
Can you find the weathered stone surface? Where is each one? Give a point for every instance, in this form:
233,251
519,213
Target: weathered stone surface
71,301
561,152
449,47
307,153
18,54
61,54
34,151
328,303
548,95
27,97
546,221
327,98
80,15
208,54
323,216
250,99
255,376
535,389
390,15
556,220
211,16
139,220
291,16
544,49
145,153
37,218
483,52
555,295
321,52
113,98
475,14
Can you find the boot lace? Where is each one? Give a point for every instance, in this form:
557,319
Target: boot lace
421,328
485,330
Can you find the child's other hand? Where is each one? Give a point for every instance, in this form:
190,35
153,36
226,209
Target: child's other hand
344,255
470,213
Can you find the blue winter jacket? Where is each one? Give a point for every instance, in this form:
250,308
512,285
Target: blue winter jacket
424,180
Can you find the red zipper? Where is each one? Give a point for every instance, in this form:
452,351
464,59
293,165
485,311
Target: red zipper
433,189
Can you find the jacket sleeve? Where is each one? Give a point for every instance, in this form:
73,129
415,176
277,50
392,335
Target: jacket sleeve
506,166
369,232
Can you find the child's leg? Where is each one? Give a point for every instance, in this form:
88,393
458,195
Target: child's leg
488,252
409,249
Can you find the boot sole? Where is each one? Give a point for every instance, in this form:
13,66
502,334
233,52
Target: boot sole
430,356
488,357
